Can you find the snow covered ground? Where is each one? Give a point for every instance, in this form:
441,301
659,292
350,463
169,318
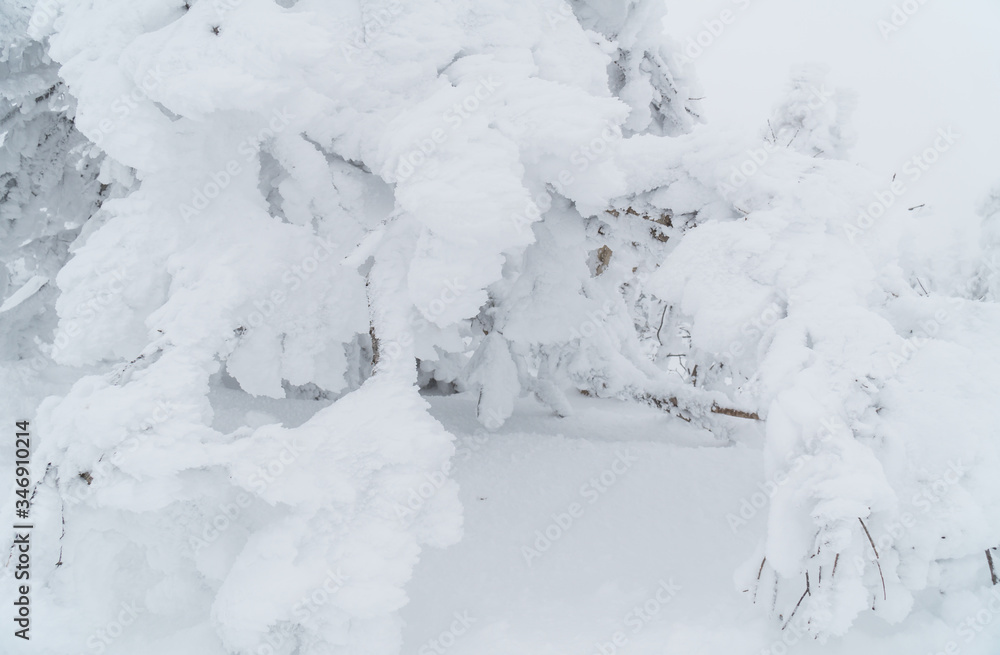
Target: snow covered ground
661,524
602,534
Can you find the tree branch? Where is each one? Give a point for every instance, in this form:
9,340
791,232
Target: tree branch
759,571
877,563
737,413
801,598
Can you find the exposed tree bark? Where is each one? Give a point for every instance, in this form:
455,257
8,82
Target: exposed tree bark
737,413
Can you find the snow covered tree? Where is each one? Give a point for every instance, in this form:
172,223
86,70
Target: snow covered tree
989,210
49,175
327,195
348,202
813,119
790,304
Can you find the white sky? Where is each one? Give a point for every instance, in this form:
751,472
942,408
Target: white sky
942,68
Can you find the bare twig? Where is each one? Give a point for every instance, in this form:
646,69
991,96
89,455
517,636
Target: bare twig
669,405
371,323
877,563
61,536
757,586
801,598
993,575
794,136
865,527
662,318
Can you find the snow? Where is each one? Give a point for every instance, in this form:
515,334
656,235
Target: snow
388,327
660,520
27,290
906,84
